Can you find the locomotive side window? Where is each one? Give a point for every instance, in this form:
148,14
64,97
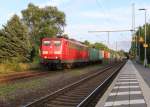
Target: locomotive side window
57,43
46,43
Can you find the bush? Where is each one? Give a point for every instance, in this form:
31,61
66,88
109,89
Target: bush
11,67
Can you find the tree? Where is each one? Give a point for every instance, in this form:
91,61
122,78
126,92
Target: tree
65,36
14,40
141,31
43,22
86,42
122,53
100,46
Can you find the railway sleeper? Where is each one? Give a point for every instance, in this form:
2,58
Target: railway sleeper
63,103
67,99
84,90
70,97
77,95
53,105
80,93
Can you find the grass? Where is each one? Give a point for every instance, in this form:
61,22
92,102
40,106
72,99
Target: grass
7,89
17,67
11,66
7,68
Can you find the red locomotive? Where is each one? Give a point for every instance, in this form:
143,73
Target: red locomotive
59,52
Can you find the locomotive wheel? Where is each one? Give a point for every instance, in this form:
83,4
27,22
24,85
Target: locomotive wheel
59,66
52,66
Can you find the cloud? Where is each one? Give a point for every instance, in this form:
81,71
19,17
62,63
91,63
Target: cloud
125,45
6,17
114,14
80,32
9,15
114,19
88,15
54,3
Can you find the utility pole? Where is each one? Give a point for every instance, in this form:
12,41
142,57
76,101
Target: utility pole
108,38
145,60
108,32
116,46
133,30
145,41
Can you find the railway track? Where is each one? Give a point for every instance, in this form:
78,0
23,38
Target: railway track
13,77
80,93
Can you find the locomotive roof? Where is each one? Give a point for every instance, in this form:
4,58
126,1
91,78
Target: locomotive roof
70,40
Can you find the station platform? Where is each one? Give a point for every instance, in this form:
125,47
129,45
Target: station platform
128,89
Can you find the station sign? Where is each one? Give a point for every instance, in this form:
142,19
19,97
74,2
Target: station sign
145,45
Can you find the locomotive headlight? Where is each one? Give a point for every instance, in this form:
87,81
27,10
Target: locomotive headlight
44,52
45,57
57,52
56,57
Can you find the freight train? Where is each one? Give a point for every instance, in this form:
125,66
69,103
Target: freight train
61,52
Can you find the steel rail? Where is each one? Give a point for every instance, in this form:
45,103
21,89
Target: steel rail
65,89
95,93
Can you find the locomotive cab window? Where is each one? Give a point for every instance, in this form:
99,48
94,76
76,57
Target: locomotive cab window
46,43
57,43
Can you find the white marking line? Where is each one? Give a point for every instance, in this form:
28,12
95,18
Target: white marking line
127,75
126,82
125,93
125,102
127,79
144,86
116,87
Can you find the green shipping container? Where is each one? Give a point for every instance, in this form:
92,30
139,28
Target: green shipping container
100,55
93,54
111,56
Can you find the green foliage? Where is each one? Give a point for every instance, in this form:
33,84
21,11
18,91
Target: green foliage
65,36
101,46
122,53
141,32
86,43
20,38
43,22
15,45
96,45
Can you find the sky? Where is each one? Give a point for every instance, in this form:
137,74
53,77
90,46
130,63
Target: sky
89,15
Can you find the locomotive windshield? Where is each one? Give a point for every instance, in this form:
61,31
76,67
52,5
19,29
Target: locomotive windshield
57,43
46,43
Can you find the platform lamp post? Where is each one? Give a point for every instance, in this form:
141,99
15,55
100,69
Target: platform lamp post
145,44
